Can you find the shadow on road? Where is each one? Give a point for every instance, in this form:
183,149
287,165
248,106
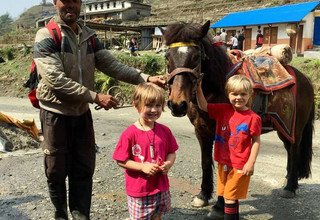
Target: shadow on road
304,206
11,212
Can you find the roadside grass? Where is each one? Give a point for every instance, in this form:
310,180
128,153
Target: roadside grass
15,71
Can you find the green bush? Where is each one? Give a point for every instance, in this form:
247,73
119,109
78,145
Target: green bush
103,82
8,52
152,64
311,68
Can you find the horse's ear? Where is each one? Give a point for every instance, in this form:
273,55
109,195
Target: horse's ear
162,30
205,28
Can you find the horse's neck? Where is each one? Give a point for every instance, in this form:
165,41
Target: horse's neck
212,98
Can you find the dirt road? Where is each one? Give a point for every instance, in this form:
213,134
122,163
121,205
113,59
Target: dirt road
23,193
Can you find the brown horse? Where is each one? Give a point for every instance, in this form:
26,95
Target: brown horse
190,53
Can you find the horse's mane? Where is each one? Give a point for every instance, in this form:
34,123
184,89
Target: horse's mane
215,63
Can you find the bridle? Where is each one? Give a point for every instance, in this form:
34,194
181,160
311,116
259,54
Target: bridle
195,72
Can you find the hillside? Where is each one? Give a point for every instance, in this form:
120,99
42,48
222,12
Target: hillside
164,12
28,18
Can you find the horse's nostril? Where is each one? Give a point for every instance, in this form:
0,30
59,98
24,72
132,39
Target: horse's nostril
169,104
184,105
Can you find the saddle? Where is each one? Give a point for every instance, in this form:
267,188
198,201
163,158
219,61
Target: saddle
268,76
265,71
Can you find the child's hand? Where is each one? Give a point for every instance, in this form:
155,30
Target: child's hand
248,169
165,167
150,168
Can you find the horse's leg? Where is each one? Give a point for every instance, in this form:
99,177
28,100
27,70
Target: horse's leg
202,199
291,183
299,153
204,130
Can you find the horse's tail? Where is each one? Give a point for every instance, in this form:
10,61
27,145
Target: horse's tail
306,147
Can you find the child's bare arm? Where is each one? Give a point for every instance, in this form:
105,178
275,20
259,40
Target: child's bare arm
147,168
168,163
249,166
202,102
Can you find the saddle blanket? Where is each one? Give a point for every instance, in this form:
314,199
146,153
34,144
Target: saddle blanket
265,71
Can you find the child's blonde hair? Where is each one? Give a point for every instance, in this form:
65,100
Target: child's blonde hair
148,93
239,83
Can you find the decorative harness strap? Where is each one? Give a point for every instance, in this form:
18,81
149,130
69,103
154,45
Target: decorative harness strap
182,44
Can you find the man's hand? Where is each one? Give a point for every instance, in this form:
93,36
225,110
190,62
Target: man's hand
158,80
106,101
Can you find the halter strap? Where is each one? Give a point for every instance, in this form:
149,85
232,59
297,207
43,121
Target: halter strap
182,44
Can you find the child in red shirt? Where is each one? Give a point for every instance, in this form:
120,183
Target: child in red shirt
237,142
146,149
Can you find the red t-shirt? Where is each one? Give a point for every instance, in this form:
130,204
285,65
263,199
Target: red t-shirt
134,144
234,132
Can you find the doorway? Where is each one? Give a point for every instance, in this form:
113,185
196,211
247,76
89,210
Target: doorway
248,38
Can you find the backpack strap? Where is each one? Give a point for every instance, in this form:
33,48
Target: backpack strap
55,32
93,43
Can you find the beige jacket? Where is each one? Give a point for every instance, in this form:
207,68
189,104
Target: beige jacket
67,73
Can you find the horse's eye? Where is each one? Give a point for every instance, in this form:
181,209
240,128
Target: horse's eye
194,59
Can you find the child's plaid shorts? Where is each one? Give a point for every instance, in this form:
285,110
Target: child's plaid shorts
148,206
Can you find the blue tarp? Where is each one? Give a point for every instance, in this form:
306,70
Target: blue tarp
281,14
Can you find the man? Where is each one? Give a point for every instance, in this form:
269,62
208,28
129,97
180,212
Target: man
259,39
65,91
241,38
133,46
223,36
233,42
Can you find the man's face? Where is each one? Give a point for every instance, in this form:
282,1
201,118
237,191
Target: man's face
68,10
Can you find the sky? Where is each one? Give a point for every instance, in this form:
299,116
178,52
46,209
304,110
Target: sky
17,7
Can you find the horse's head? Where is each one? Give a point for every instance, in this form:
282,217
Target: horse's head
184,58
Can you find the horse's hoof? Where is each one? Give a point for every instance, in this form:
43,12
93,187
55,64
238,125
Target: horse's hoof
199,202
287,194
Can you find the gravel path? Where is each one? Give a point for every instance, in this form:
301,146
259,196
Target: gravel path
23,192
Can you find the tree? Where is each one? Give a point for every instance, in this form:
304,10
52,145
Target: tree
5,23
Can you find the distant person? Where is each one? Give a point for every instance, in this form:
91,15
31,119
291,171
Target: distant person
133,46
220,41
236,144
241,38
146,150
223,36
259,39
233,42
217,38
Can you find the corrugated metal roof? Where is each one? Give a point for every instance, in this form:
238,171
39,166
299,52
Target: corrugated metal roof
280,14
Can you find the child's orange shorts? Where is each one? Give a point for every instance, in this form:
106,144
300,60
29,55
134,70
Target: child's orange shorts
231,184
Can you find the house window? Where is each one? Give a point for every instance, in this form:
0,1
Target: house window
138,12
270,33
96,7
114,4
90,7
122,4
108,5
101,6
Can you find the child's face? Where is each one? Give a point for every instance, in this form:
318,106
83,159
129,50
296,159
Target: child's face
239,100
150,112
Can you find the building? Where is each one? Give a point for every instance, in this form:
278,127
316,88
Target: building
115,10
296,24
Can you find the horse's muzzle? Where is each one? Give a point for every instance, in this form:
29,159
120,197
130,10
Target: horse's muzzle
178,110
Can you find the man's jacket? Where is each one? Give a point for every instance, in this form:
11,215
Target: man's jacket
67,72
